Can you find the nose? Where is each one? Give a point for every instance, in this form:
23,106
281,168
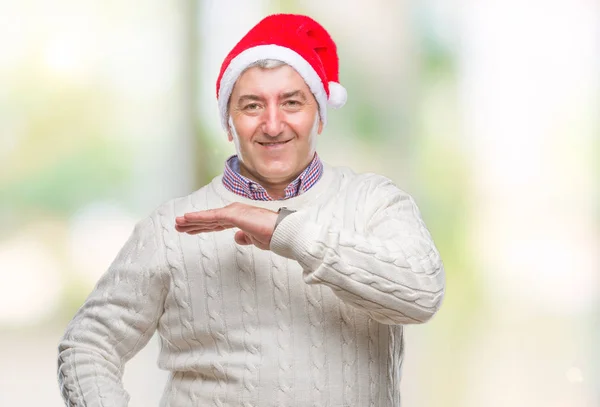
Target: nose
273,124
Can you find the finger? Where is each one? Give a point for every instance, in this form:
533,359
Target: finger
204,224
182,220
198,224
197,218
185,228
195,229
231,213
198,231
242,238
203,216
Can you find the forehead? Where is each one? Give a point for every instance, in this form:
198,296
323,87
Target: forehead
269,81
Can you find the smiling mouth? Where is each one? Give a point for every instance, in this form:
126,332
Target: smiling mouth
279,143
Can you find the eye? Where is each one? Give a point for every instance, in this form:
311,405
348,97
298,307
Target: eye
252,106
292,103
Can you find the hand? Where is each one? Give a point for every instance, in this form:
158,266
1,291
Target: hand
256,224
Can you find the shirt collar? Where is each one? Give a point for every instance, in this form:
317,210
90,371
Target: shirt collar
240,185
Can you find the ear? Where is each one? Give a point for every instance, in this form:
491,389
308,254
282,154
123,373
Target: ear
229,128
320,129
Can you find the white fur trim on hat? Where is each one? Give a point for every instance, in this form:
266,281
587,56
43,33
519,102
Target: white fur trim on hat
337,95
287,55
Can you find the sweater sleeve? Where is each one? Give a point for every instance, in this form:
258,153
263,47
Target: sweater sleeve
115,322
391,269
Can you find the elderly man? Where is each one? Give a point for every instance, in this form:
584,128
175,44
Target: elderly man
283,282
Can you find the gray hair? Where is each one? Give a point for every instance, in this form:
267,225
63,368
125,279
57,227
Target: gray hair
266,64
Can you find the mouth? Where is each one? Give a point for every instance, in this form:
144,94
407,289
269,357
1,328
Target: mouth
273,145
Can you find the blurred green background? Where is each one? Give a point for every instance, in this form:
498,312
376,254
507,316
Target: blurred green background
485,111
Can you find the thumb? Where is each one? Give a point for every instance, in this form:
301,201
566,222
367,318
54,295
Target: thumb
242,238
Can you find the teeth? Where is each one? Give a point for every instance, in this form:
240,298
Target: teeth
272,144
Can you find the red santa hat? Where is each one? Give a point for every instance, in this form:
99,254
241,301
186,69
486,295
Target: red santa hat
296,40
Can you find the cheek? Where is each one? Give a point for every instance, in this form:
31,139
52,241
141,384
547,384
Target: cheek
302,127
306,127
244,130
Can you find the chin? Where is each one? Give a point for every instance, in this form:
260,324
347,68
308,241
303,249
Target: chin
277,170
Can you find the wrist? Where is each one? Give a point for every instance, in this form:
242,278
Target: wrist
281,214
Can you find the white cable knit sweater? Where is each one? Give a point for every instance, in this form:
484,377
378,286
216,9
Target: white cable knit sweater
317,321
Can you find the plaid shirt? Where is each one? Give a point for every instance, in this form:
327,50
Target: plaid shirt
238,184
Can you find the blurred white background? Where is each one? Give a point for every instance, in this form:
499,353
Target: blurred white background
486,111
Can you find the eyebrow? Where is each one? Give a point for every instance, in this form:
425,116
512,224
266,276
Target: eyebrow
292,94
253,98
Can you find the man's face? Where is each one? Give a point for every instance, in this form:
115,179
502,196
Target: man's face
276,122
